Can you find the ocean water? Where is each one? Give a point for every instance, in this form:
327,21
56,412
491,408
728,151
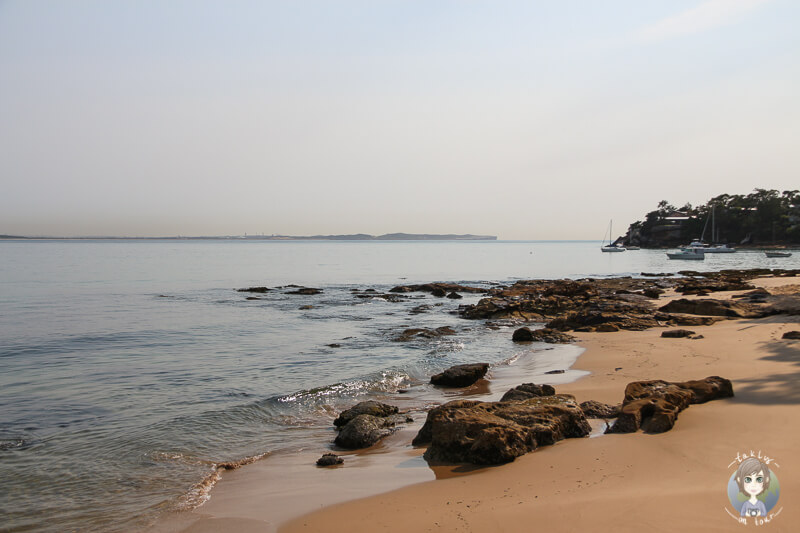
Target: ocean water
129,369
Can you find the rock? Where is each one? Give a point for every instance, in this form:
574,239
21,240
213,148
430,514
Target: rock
424,308
424,333
460,375
607,328
654,405
548,335
677,333
498,432
708,307
363,431
306,291
370,407
305,307
255,289
594,409
439,292
329,459
555,371
454,296
252,298
653,292
688,320
791,335
527,391
522,335
430,287
710,388
334,345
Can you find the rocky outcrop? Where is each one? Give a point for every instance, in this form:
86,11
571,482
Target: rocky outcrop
653,406
329,459
594,409
370,407
792,335
710,307
460,375
308,291
255,289
498,432
438,287
527,391
363,431
424,333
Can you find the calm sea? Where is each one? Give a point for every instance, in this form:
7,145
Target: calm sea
128,369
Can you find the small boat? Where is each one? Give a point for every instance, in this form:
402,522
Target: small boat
778,254
712,249
688,253
610,247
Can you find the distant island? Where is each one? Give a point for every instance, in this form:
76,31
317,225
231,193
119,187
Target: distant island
353,237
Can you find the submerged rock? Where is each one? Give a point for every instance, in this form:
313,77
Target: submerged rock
424,333
329,459
255,289
460,375
497,432
306,291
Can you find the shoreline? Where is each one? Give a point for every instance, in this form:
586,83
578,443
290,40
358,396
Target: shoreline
629,474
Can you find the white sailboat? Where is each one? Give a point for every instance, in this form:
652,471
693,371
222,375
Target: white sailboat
698,244
610,247
688,253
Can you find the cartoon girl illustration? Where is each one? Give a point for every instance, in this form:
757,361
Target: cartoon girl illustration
753,478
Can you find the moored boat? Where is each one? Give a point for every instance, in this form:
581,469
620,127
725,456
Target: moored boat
778,254
688,253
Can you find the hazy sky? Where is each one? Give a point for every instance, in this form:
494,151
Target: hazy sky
526,120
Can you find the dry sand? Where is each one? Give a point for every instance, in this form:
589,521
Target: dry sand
629,482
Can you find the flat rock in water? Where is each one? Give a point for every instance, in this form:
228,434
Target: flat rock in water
329,459
460,375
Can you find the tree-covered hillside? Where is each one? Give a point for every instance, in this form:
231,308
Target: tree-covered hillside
761,217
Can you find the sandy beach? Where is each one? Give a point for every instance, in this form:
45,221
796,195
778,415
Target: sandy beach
623,482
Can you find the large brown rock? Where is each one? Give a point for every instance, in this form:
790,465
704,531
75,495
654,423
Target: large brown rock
370,407
791,335
677,333
460,375
498,432
653,406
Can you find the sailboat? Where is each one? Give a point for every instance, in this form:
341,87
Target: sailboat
610,247
698,244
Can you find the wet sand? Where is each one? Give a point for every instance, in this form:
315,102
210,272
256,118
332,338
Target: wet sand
628,482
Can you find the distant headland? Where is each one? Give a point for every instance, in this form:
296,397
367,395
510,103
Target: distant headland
351,237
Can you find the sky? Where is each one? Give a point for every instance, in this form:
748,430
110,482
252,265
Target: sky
525,120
